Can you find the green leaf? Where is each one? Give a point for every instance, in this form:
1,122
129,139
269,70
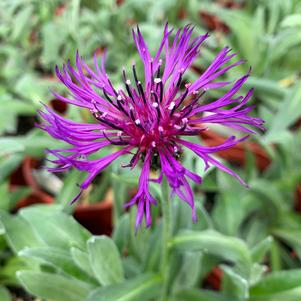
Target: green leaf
55,228
258,271
277,282
291,21
189,267
53,286
231,210
32,88
9,164
81,259
18,232
35,144
58,258
51,42
144,287
290,236
21,20
69,190
202,295
105,260
9,146
288,112
4,294
266,87
234,285
292,295
121,234
258,252
225,247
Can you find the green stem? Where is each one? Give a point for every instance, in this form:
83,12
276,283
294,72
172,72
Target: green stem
166,237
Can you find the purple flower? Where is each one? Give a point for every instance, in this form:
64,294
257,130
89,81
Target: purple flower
150,119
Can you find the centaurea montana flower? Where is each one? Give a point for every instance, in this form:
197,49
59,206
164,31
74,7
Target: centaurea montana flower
151,118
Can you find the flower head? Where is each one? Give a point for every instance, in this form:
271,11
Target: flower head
151,116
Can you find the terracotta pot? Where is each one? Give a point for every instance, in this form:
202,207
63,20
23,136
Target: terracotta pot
27,167
58,106
23,176
213,22
298,198
230,4
182,13
59,10
237,154
214,279
96,217
37,197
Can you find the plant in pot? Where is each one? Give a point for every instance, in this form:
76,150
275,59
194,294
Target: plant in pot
94,210
263,212
9,262
130,265
276,89
170,259
21,162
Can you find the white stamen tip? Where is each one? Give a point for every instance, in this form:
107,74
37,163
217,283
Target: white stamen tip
184,120
157,80
171,106
175,149
104,114
128,82
153,144
137,121
119,133
155,104
195,92
177,126
187,85
160,128
119,97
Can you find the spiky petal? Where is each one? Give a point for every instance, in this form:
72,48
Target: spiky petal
150,118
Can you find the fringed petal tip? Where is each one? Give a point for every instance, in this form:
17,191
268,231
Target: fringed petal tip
194,215
76,198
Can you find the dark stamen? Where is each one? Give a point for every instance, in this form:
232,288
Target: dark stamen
189,108
161,91
105,121
179,80
107,97
135,74
181,100
132,160
152,75
127,86
122,108
141,91
115,142
158,71
115,92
